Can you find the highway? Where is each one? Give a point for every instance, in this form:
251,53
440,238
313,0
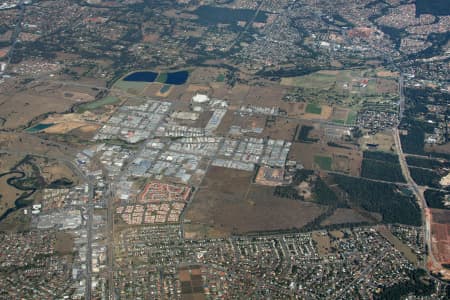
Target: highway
90,213
16,33
418,192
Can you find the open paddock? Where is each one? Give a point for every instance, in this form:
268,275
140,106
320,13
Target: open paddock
312,156
227,202
344,216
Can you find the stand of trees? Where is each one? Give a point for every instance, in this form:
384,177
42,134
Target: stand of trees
435,199
381,166
426,163
425,177
383,198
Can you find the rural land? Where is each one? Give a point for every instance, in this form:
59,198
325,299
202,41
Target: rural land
224,149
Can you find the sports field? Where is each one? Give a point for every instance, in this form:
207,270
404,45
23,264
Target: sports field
312,108
324,162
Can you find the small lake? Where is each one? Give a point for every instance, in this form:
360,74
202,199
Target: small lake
39,127
164,89
177,77
143,76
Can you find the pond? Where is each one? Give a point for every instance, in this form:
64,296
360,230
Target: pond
39,127
164,89
144,76
177,77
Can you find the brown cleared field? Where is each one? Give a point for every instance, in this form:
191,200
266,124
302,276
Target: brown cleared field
323,242
385,73
282,128
55,170
339,114
7,161
226,123
294,110
18,108
384,140
227,203
445,148
21,143
64,243
440,232
386,86
65,123
344,215
269,95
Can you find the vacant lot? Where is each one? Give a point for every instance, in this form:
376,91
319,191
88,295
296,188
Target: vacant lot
281,128
344,216
64,243
322,241
19,107
440,229
384,141
228,203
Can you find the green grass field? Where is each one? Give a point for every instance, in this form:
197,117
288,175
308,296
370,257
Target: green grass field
162,78
351,118
312,108
220,78
322,79
131,86
97,104
324,162
346,88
